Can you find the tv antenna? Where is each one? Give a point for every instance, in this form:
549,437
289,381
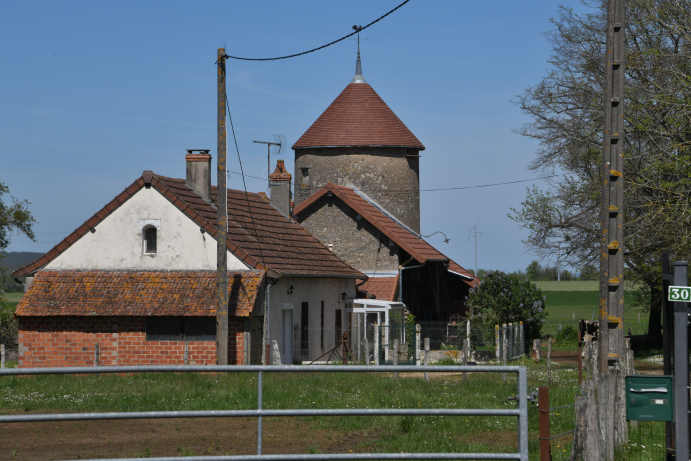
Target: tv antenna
279,142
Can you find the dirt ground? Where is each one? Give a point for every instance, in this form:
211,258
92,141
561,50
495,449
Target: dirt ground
204,436
172,437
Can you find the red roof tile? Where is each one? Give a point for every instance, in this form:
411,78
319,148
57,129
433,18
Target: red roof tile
382,288
137,293
406,240
358,117
257,233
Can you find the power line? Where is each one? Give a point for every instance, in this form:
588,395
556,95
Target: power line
425,190
249,210
357,30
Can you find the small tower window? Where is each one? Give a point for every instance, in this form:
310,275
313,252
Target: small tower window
150,240
305,177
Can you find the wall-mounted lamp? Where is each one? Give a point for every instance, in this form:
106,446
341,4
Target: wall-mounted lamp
290,290
344,295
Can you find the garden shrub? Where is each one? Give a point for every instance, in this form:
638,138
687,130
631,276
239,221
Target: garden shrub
503,298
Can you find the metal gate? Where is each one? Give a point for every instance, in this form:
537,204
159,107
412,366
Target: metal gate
521,413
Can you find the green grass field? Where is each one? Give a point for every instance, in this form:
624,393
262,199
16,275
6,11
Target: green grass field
567,307
571,285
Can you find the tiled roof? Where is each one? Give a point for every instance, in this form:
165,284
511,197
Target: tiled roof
257,233
358,117
382,288
137,293
406,240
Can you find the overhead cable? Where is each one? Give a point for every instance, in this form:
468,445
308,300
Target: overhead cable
357,30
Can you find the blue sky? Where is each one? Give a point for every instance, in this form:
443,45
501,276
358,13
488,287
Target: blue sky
93,93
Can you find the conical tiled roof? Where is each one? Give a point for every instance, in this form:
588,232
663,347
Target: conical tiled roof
358,117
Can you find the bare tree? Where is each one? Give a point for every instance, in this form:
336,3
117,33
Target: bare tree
566,111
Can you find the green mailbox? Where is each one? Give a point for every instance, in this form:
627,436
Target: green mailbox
649,398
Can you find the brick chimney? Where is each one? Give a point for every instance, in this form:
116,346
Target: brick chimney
279,181
199,172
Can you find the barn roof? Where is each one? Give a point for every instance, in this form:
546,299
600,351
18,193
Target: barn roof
258,234
415,246
383,288
137,293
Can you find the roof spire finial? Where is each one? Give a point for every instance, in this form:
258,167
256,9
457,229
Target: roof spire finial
358,66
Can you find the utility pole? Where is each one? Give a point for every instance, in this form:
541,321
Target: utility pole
474,235
222,209
611,331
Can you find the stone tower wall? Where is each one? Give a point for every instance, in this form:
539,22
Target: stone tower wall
354,240
388,175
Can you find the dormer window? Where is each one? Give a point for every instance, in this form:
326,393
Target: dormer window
149,231
150,240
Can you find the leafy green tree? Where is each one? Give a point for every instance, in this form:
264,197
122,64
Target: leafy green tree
504,298
534,270
567,120
589,272
13,218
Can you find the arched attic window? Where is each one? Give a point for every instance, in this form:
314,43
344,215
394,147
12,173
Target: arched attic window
150,234
149,230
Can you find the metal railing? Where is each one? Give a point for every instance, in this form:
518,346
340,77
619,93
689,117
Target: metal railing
521,413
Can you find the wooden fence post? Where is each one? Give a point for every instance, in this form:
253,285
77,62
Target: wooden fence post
543,409
395,357
426,362
580,360
579,428
591,443
549,362
537,350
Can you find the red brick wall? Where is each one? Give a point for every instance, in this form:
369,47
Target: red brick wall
71,341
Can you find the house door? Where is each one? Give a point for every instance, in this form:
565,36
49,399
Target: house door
287,334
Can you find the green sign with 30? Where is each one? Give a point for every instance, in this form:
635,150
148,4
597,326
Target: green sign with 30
681,294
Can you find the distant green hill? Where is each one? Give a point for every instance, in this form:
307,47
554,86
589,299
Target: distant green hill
13,260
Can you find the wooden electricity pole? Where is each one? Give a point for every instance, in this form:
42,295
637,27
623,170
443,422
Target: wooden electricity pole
611,331
222,222
611,327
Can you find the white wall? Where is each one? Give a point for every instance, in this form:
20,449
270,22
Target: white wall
117,242
313,291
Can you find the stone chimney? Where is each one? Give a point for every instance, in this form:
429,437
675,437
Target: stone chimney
279,181
199,172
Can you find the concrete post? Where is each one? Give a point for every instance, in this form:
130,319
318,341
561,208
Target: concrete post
417,344
426,358
496,343
376,344
2,356
395,357
96,355
187,353
681,366
276,353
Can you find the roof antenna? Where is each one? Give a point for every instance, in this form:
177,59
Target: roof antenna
358,67
280,142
